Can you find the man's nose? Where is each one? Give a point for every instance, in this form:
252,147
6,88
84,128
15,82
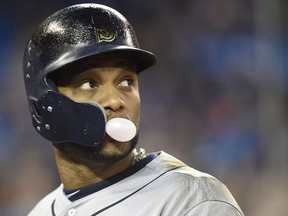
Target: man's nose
110,98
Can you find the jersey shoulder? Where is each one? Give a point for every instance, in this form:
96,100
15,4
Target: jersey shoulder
192,186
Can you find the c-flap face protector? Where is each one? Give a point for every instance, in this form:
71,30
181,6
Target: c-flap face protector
60,119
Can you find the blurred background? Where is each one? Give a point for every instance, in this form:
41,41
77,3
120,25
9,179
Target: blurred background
217,99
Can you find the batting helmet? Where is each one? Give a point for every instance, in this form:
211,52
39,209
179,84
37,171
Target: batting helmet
69,35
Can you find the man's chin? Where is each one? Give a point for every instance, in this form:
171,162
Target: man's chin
110,151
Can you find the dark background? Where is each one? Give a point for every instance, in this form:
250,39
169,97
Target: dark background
217,99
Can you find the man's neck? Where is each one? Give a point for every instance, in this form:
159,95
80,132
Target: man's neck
82,173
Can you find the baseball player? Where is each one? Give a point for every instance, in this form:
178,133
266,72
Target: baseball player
80,69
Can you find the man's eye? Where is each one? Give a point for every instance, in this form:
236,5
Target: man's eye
87,85
126,82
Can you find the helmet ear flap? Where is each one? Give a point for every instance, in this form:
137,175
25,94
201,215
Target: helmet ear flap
51,84
60,119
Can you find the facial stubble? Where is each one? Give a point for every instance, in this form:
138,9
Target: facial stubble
78,153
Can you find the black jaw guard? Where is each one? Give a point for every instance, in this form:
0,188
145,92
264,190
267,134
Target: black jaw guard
60,119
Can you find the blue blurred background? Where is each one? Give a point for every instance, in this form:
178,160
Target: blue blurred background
217,99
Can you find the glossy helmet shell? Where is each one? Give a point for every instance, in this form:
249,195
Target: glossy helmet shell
67,36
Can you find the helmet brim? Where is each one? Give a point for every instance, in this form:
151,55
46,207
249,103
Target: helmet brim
142,59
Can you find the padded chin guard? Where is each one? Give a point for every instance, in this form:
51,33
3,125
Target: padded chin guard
60,119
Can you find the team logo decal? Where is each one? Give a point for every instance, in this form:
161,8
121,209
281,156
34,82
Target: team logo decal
105,35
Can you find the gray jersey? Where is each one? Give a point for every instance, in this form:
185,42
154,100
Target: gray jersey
157,185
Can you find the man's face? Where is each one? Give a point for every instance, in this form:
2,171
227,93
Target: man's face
112,82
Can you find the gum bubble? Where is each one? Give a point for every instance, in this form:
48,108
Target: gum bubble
121,129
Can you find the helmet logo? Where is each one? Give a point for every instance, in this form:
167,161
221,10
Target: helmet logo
105,35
